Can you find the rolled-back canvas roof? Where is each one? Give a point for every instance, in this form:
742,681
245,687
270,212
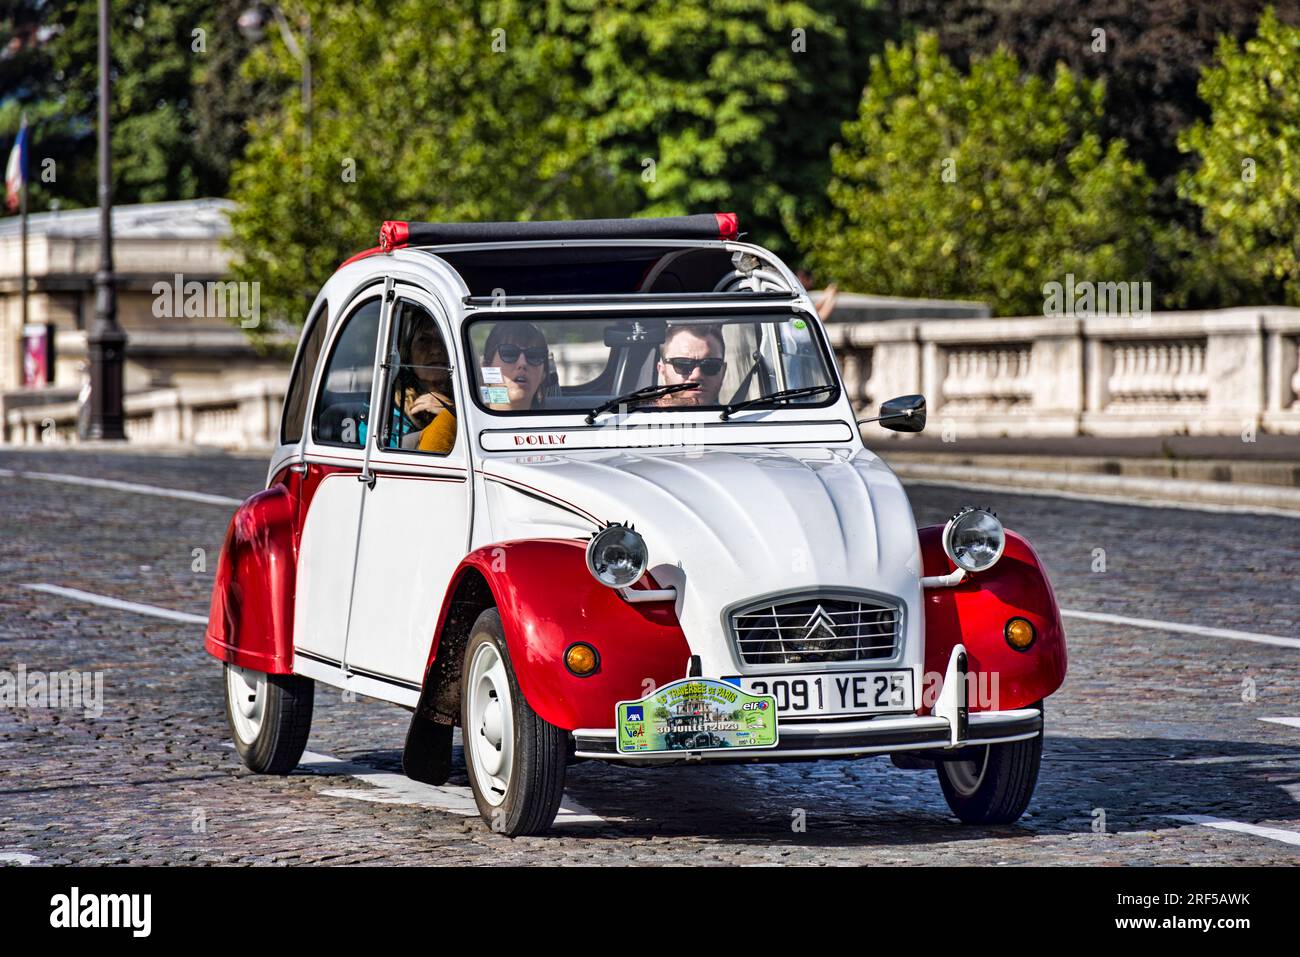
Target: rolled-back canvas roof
394,234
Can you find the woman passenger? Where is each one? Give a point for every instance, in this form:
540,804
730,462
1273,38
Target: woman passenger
422,403
519,351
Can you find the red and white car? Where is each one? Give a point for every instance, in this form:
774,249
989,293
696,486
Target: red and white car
595,491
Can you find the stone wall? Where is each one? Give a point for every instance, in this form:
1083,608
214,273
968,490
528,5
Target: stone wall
1177,373
1182,373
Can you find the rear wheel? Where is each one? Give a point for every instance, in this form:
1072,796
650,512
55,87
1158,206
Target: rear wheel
994,782
269,717
516,760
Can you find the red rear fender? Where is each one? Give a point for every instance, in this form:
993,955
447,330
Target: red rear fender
250,622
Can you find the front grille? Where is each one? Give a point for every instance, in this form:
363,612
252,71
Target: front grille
817,630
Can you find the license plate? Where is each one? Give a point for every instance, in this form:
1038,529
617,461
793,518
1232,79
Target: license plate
696,714
833,693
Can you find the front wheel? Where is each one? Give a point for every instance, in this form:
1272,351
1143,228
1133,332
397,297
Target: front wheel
994,785
516,759
269,717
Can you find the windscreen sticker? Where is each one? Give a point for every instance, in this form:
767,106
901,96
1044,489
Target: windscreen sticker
495,394
491,374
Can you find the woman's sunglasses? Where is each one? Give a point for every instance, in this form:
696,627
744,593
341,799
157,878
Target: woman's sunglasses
685,367
535,355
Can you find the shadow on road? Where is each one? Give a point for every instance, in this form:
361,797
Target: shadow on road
1131,785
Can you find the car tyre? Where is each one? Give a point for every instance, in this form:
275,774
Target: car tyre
516,759
269,717
995,784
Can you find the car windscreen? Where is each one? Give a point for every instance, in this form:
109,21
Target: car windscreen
565,364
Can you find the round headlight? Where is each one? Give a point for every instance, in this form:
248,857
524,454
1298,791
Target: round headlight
617,556
973,539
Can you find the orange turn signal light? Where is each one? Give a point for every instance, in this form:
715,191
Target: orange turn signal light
581,659
1020,634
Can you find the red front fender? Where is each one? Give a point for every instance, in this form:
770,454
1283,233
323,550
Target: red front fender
547,600
250,621
975,613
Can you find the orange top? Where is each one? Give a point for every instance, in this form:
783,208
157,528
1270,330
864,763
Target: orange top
440,434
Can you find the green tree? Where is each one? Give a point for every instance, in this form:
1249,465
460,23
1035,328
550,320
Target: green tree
161,51
178,106
1149,54
1247,183
155,60
708,105
986,185
459,111
226,97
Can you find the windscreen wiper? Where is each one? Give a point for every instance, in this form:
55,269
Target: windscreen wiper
640,395
785,395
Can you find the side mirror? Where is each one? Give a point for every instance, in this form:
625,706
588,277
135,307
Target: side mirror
905,413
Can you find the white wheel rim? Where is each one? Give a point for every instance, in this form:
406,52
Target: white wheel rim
490,737
967,776
246,690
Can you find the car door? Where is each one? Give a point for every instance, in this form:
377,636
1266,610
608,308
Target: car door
415,522
332,496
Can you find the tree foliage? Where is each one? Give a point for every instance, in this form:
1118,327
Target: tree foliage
1247,181
479,111
178,106
457,111
1150,57
707,105
984,185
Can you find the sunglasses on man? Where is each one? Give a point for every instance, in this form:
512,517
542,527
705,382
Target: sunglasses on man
535,355
684,366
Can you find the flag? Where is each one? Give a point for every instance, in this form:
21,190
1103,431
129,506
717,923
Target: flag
16,170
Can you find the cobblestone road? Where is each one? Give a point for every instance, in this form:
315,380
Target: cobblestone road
1150,725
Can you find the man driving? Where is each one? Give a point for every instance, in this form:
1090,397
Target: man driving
692,353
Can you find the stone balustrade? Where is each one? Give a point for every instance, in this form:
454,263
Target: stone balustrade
245,415
1223,372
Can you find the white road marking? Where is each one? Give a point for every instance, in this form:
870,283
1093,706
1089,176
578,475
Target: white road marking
135,487
1271,833
133,606
392,788
1289,722
1272,759
17,857
1181,628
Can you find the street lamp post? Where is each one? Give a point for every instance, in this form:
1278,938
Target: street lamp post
106,343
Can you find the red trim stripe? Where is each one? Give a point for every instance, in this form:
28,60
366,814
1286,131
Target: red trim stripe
365,253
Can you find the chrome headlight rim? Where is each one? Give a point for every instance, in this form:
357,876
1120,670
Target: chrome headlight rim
949,528
605,538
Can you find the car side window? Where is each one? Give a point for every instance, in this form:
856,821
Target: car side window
343,403
421,410
295,400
